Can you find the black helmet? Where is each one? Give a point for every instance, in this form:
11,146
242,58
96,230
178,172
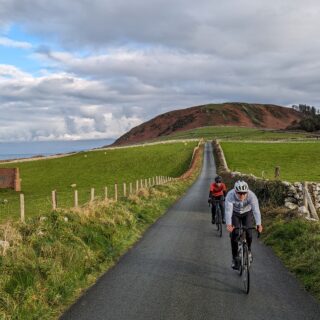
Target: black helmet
218,179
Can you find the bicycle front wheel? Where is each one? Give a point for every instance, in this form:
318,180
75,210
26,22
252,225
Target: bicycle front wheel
246,270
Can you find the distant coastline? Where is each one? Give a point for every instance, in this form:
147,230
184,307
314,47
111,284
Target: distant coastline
21,150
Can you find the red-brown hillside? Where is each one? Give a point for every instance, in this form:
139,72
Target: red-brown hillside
228,114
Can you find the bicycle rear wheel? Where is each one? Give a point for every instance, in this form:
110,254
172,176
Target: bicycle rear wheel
246,270
220,225
219,221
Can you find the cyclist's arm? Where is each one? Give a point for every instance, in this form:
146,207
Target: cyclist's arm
228,209
211,191
224,190
255,209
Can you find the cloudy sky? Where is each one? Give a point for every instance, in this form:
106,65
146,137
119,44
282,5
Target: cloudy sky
82,69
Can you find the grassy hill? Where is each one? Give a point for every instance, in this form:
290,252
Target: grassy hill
95,169
223,114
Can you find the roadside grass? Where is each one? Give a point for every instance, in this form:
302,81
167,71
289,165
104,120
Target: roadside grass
298,161
297,242
95,169
236,133
53,259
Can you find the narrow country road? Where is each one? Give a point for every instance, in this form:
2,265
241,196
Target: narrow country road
181,270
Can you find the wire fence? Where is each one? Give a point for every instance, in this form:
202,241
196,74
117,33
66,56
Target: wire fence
23,205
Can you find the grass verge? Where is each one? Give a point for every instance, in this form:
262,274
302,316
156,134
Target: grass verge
52,259
297,242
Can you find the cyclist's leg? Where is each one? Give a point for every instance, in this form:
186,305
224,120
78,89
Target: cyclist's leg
213,212
235,235
248,222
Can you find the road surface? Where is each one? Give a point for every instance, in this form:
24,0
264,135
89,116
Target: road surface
181,270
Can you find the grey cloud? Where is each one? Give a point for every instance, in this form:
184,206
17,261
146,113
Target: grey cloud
123,62
230,28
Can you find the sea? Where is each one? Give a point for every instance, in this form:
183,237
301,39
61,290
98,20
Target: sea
17,150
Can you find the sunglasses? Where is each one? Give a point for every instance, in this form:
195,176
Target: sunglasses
241,193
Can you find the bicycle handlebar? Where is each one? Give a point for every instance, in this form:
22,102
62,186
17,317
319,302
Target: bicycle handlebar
245,228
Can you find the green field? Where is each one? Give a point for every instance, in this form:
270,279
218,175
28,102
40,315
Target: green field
236,133
298,161
95,169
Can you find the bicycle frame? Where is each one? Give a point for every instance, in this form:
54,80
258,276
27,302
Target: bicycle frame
218,215
243,255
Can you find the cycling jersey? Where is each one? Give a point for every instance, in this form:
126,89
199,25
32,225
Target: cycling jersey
217,191
234,205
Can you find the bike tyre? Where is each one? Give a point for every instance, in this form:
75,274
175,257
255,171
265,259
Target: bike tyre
246,270
219,222
217,218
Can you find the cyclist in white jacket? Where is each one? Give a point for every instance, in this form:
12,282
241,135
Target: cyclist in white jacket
240,204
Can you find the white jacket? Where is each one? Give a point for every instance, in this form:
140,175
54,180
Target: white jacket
233,204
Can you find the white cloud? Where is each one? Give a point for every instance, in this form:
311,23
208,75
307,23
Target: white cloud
57,106
6,42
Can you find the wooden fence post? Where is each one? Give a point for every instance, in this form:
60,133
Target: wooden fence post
76,199
130,188
124,189
22,207
92,195
54,199
307,200
137,185
115,192
105,193
146,183
141,183
277,172
304,190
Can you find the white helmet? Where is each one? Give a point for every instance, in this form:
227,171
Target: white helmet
241,186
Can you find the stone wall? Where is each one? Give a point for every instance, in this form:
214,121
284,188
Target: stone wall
294,199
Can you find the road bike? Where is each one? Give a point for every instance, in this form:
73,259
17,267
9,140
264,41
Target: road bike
243,260
218,215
